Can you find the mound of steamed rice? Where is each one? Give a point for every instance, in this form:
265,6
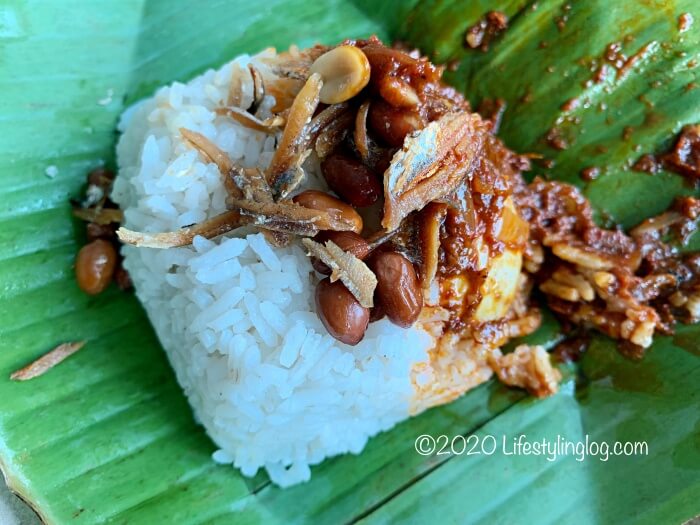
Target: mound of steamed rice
236,316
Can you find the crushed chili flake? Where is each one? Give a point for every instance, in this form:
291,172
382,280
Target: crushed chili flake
590,173
647,164
685,22
623,64
556,140
600,74
571,104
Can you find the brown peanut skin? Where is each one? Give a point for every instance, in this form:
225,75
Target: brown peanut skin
95,266
319,200
398,288
342,315
99,231
347,241
123,279
376,313
391,124
351,179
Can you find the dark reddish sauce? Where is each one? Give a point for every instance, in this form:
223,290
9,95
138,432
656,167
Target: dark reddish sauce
684,158
473,223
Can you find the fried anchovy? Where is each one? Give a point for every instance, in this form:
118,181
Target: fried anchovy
431,164
258,89
355,274
269,125
360,135
214,154
47,361
285,172
290,217
208,229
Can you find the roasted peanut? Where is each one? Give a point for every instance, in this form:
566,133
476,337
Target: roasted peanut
376,313
398,93
351,179
95,265
345,72
318,200
398,289
391,124
347,241
342,315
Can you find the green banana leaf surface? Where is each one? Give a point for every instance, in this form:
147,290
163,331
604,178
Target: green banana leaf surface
108,437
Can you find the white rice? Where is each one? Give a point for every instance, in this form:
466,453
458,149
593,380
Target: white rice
236,316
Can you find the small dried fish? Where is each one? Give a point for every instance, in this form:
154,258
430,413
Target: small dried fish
258,89
360,136
431,219
326,117
47,361
406,239
294,174
101,216
431,164
214,154
207,148
283,174
290,217
209,229
269,125
333,134
253,184
277,238
252,202
255,188
379,237
235,90
284,90
355,274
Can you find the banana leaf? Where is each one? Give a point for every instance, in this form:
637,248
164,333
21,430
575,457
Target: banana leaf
107,436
